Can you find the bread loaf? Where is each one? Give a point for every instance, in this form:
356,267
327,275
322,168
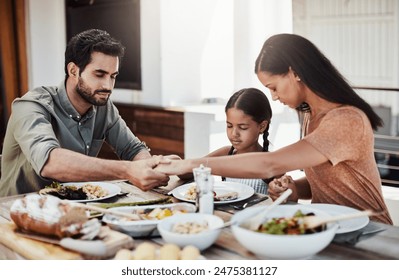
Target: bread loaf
48,215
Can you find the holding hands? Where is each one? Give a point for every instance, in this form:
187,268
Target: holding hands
142,173
152,172
280,185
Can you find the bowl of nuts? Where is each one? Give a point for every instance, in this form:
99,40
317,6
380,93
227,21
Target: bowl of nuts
197,229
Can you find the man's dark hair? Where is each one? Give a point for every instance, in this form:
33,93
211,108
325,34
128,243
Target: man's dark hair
82,45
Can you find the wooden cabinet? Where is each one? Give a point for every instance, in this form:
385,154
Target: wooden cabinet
162,129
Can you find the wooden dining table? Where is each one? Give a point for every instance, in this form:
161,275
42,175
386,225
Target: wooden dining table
382,245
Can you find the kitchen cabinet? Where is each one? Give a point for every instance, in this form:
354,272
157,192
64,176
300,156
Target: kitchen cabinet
161,128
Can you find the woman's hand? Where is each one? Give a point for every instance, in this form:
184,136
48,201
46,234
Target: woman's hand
171,157
280,185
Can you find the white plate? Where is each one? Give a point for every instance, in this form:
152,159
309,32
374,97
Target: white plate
142,228
112,189
244,191
345,225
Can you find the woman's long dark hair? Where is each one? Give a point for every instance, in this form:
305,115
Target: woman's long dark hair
282,51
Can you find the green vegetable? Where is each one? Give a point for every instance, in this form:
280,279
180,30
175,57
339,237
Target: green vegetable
53,185
284,226
136,203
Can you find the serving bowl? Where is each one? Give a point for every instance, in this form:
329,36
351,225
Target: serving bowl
201,240
145,227
272,246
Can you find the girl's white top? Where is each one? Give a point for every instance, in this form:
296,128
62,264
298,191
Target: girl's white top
257,184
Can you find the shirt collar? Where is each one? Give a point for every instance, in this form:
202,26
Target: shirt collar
68,107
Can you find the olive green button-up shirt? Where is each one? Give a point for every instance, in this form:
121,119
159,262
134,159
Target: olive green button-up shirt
44,119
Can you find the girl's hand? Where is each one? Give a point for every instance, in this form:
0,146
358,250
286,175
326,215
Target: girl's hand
280,185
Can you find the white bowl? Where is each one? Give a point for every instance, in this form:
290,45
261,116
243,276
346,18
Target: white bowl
142,228
271,246
201,240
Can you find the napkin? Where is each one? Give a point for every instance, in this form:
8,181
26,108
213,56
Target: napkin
354,237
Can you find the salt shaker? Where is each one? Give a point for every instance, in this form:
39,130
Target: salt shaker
204,189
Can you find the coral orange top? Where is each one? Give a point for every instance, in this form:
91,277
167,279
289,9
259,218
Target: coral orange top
344,135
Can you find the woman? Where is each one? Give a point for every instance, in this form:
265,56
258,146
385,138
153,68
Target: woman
336,151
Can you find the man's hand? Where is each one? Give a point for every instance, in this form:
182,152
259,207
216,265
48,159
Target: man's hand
280,185
142,173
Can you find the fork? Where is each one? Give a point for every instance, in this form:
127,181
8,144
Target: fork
248,203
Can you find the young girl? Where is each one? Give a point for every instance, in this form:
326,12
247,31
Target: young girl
248,115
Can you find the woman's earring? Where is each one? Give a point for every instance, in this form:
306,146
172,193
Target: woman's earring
298,79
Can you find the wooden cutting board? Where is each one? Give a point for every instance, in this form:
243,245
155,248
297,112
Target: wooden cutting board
38,250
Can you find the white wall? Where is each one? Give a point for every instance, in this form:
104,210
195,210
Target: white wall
360,37
191,49
46,41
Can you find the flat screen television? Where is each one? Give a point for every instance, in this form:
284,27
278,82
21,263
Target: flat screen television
121,19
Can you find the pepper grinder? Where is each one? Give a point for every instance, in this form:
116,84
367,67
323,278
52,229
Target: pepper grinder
204,189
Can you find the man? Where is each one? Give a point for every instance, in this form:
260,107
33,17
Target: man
55,133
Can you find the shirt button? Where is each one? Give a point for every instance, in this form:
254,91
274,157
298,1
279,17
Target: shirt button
78,117
70,116
87,146
80,123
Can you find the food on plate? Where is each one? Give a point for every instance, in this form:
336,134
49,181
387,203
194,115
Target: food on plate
226,196
191,194
190,252
190,227
169,251
145,251
51,216
157,213
71,192
288,226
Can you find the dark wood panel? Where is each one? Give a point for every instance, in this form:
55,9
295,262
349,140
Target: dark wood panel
160,128
13,52
162,146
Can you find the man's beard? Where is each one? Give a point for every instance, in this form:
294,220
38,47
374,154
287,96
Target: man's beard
85,92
